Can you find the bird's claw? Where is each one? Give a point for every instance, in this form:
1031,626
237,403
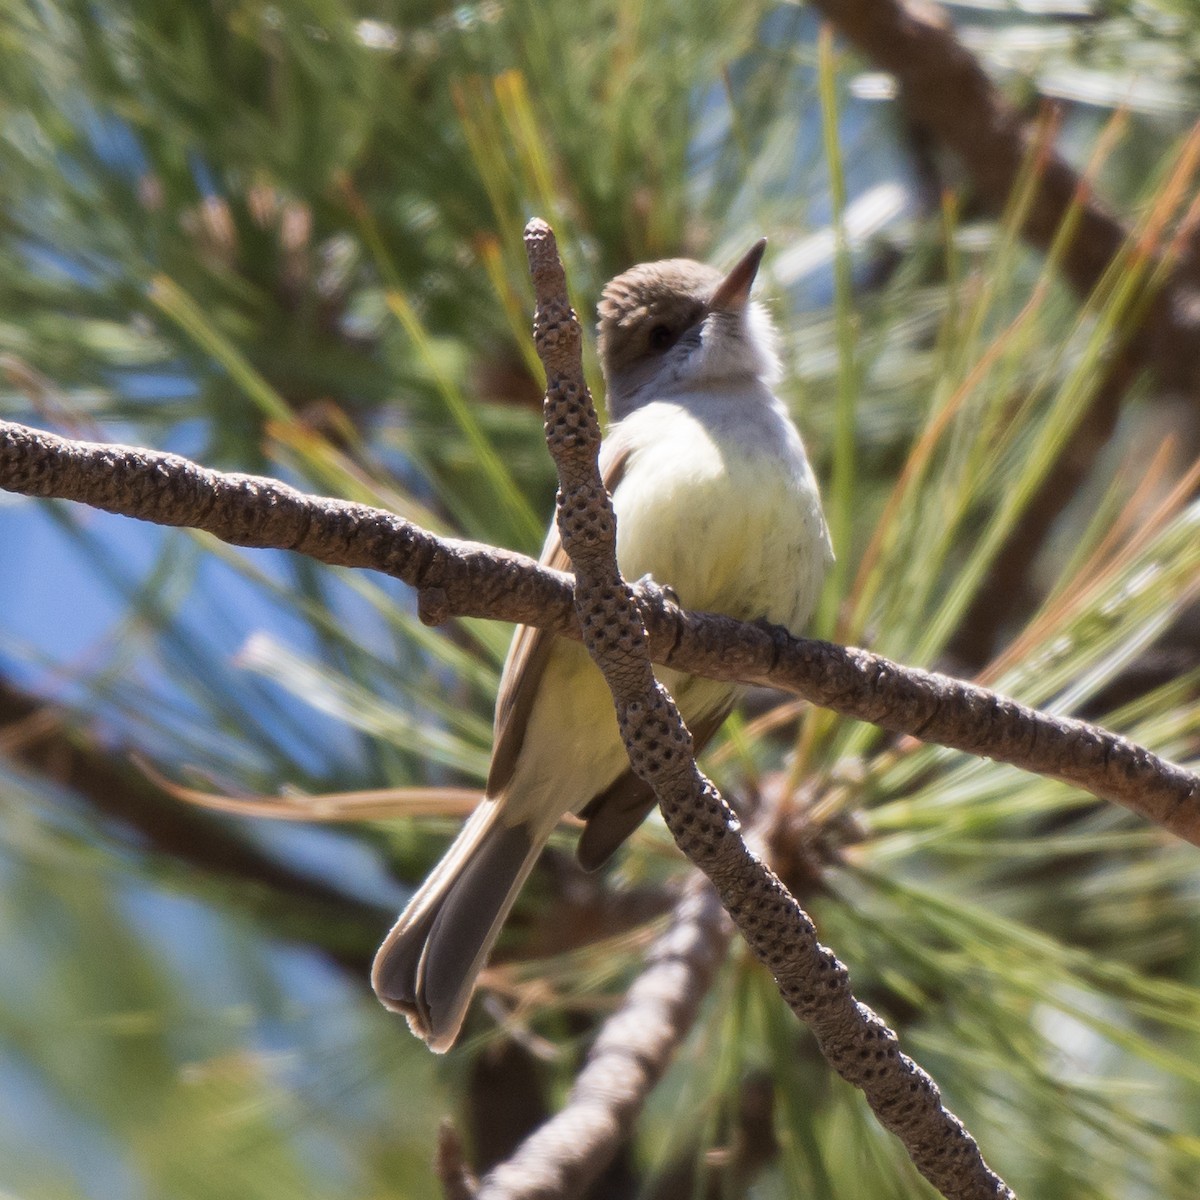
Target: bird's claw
651,589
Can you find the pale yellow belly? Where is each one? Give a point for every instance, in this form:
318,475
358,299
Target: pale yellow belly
730,534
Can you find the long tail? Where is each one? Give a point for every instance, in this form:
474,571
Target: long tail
427,966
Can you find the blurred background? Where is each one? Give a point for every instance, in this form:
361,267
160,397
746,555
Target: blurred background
286,239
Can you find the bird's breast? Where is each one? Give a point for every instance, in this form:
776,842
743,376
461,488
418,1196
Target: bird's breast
722,506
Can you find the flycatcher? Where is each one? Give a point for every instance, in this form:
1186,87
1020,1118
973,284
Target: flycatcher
714,497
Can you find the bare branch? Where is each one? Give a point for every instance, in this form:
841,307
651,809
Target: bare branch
569,1152
460,578
628,1058
855,1042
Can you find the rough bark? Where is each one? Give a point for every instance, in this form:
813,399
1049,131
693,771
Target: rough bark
459,578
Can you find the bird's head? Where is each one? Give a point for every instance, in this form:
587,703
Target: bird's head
679,325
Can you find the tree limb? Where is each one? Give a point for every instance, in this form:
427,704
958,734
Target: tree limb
628,1058
461,578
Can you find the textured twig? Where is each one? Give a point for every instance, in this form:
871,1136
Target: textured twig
634,1048
853,1039
459,578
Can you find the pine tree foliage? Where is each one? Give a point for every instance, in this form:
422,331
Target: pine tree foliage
285,238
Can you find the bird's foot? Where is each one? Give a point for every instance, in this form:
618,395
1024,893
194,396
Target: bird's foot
649,590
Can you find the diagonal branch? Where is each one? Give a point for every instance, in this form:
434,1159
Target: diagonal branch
855,1042
460,578
569,1151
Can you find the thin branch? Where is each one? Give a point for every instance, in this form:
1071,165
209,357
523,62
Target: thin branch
855,1042
634,1048
460,578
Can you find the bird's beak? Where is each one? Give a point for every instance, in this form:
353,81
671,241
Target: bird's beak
734,290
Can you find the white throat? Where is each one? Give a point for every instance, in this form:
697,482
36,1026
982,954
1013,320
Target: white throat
726,349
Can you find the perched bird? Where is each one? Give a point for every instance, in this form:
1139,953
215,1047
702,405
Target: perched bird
715,498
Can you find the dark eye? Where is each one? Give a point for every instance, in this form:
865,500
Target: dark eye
661,336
